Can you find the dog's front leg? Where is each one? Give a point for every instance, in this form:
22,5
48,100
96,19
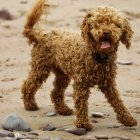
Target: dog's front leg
113,97
81,95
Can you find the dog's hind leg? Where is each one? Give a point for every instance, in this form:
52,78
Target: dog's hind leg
37,76
57,95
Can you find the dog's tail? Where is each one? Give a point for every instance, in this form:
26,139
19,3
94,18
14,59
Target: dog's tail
34,36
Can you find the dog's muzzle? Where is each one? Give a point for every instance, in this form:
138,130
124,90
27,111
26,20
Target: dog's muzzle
105,41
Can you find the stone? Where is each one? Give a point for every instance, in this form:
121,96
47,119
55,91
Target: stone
34,134
124,62
121,138
8,138
49,127
69,94
14,122
100,137
97,114
23,2
114,126
4,133
56,138
5,14
94,121
19,136
77,131
50,114
46,138
88,138
26,136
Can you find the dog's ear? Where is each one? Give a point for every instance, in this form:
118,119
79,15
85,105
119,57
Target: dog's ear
85,29
126,33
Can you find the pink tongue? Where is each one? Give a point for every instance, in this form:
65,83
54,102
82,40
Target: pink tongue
105,45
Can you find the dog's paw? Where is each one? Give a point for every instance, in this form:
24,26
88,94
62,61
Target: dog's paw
64,111
31,107
83,124
128,121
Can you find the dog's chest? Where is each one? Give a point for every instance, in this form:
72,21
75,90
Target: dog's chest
99,73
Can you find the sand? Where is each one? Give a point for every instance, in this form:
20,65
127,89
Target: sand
14,67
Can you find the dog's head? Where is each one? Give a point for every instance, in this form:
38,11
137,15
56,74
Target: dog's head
104,27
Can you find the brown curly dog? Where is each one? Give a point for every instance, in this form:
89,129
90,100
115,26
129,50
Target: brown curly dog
89,59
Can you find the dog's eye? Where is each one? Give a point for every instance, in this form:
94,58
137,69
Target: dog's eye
90,35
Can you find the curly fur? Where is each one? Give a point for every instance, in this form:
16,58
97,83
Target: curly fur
71,56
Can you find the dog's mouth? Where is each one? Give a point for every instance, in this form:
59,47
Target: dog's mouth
105,43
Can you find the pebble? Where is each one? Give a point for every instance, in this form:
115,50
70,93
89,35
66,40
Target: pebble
50,114
124,62
88,138
14,122
5,14
23,2
97,114
94,121
114,126
34,134
49,127
5,133
99,137
56,139
26,136
8,138
47,138
77,131
69,94
19,136
120,138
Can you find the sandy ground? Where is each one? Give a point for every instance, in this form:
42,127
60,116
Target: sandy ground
14,67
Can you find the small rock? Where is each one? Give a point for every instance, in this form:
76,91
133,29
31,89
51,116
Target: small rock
7,26
19,136
14,122
124,62
50,114
120,138
49,127
99,137
34,134
77,131
1,97
47,138
88,138
4,133
24,139
69,94
56,139
114,126
97,114
94,121
23,2
8,138
5,14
